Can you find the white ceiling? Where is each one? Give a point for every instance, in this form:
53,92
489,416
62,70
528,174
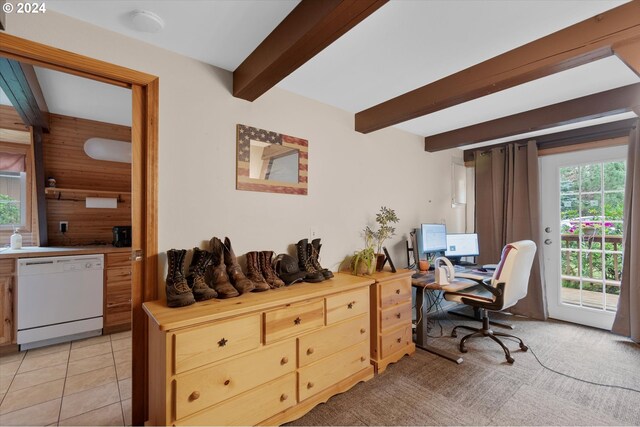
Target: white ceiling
75,96
402,46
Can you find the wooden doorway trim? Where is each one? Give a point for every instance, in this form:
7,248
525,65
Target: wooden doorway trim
144,215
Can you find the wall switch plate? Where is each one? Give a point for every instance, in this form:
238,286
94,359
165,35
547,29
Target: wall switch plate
64,226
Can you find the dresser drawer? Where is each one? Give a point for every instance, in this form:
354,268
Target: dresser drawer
318,376
346,305
395,292
329,340
120,274
293,320
119,260
198,346
396,340
205,387
249,408
395,316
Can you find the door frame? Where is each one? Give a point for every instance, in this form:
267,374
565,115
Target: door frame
585,316
144,183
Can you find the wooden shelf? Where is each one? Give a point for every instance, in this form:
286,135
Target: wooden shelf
56,193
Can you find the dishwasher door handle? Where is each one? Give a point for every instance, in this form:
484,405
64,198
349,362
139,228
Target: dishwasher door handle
137,255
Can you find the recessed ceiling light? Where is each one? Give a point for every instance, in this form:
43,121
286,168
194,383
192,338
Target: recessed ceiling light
147,22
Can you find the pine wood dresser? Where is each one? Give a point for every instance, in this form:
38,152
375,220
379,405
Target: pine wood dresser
261,358
391,313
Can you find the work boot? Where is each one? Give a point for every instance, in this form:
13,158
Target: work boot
266,268
314,253
178,292
217,277
238,279
304,262
253,272
199,262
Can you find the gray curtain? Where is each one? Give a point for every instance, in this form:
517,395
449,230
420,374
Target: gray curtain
508,210
627,321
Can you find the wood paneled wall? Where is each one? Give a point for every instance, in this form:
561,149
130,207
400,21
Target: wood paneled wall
66,161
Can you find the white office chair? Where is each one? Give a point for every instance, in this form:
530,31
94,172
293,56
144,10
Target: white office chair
508,285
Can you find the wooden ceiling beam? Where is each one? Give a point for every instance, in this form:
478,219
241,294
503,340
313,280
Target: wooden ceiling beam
19,83
615,101
306,31
629,53
583,135
579,44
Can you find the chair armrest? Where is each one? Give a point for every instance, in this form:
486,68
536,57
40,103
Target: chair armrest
495,291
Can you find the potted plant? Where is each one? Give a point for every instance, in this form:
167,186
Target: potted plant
385,218
363,261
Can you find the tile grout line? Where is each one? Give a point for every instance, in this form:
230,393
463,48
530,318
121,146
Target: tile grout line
65,384
117,379
12,379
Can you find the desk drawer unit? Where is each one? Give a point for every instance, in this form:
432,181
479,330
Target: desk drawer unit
262,358
391,310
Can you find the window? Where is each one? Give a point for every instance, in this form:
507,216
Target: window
13,191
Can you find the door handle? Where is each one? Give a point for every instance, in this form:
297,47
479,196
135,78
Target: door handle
547,241
547,230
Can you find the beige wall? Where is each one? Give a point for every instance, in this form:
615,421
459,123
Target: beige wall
350,174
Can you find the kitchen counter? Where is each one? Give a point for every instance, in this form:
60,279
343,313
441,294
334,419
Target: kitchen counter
36,251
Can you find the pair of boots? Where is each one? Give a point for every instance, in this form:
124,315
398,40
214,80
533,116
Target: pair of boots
309,261
227,278
183,290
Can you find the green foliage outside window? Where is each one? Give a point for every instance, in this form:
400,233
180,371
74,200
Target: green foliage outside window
9,210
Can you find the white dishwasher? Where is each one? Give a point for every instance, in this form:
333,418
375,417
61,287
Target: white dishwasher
59,299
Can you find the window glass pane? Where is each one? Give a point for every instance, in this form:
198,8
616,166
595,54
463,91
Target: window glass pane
614,176
592,265
570,263
611,297
614,205
613,266
591,176
10,195
569,180
592,295
570,293
591,207
568,207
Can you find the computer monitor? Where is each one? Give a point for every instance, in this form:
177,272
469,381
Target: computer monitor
461,245
433,238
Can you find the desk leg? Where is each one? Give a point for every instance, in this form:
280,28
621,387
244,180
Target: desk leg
421,331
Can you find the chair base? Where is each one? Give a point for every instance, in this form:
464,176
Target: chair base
487,332
476,316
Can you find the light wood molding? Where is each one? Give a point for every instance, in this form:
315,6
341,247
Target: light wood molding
21,89
15,136
605,143
601,104
310,27
144,180
579,44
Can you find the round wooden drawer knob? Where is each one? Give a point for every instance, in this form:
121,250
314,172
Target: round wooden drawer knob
363,330
227,382
398,315
284,360
399,340
283,397
194,396
310,350
398,291
309,385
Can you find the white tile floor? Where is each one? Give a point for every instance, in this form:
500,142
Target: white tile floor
86,382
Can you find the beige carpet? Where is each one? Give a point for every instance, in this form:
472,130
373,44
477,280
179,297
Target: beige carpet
484,390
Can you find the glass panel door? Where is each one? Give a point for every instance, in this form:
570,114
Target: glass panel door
582,215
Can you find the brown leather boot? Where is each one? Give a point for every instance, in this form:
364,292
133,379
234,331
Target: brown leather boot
217,276
178,292
238,279
314,253
266,268
199,262
254,274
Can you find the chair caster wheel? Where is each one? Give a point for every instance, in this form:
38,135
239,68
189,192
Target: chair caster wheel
523,347
454,334
510,360
462,349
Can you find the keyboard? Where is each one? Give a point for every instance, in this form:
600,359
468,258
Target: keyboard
473,276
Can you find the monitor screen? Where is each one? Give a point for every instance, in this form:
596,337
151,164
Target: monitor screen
459,245
434,238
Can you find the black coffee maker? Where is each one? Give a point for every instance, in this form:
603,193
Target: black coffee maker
122,236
